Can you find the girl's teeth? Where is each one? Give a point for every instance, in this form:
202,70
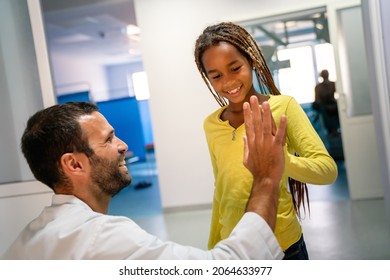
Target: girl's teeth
233,91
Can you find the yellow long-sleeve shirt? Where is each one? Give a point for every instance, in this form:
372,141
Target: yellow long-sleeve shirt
233,181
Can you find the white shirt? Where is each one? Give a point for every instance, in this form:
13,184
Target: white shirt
70,229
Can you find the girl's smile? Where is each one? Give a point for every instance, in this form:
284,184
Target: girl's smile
234,92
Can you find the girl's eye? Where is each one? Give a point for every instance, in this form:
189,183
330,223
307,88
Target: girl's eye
215,77
235,69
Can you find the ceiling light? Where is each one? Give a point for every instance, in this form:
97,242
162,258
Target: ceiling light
135,38
317,15
132,29
319,26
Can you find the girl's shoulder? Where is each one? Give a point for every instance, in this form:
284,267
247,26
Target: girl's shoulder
285,105
281,101
214,119
280,98
216,114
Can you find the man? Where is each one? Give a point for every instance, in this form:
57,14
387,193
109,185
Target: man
73,149
326,104
324,91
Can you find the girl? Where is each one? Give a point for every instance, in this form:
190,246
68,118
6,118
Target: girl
226,54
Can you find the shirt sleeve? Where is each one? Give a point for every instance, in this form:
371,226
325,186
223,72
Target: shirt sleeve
313,164
252,238
121,238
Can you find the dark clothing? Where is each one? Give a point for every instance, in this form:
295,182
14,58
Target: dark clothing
326,105
297,251
324,92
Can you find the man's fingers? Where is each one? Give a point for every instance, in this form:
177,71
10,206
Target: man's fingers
246,151
248,120
280,136
263,141
256,114
259,124
273,127
267,119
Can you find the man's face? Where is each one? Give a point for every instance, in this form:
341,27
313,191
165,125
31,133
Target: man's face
108,167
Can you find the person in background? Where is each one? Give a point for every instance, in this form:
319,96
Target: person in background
226,56
73,150
326,104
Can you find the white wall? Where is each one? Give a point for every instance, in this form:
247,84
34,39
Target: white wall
179,99
20,97
20,89
384,109
377,28
69,70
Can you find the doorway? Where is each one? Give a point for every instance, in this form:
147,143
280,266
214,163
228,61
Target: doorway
94,52
297,48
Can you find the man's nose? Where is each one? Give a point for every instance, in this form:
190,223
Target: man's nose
122,146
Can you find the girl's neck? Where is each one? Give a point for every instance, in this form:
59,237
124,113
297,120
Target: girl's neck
234,112
236,108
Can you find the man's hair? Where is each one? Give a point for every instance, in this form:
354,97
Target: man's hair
245,44
324,74
49,134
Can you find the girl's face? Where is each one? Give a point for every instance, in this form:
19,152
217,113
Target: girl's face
229,72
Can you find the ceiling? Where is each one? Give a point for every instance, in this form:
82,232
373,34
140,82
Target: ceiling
91,27
290,29
98,28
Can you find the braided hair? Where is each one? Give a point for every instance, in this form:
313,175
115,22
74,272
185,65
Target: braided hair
248,47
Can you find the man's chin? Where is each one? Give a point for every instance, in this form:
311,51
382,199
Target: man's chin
125,183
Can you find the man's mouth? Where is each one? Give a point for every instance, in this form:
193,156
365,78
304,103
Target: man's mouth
122,164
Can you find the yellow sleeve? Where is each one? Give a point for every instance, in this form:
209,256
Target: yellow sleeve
314,165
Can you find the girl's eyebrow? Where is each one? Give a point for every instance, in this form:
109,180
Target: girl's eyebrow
229,64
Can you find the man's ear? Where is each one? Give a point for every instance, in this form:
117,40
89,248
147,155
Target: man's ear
73,163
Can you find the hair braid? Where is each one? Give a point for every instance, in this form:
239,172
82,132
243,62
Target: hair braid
248,47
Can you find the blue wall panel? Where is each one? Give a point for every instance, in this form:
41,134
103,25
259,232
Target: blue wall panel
123,114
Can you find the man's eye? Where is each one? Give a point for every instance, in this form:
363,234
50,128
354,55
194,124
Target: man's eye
109,140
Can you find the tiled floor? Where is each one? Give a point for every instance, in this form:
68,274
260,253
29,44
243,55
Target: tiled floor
337,228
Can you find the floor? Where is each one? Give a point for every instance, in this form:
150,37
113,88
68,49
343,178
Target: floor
336,229
142,197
